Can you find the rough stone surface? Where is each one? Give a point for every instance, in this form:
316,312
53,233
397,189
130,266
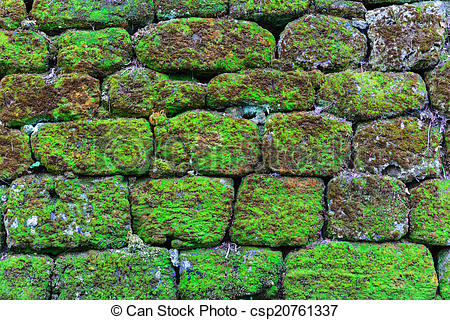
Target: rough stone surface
342,270
15,153
406,37
29,98
3,200
229,272
208,143
340,8
23,52
324,42
359,96
171,9
444,273
265,89
405,148
306,144
97,53
366,207
204,46
51,15
25,277
438,82
189,212
430,213
447,151
12,12
54,213
140,92
115,274
101,147
278,211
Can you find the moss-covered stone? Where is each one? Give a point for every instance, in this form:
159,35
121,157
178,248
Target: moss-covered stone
209,143
23,52
430,213
25,277
29,98
48,213
438,82
53,16
101,147
278,211
340,8
3,200
306,144
406,37
15,153
360,96
140,92
204,46
263,88
323,42
405,148
97,53
367,207
12,13
171,9
342,270
115,274
444,273
229,272
447,151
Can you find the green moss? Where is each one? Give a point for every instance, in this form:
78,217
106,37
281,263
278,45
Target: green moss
278,211
342,270
444,273
344,9
12,13
230,273
438,82
171,9
101,147
15,153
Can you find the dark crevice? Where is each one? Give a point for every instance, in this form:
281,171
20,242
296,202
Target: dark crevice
435,250
323,231
29,5
236,185
351,164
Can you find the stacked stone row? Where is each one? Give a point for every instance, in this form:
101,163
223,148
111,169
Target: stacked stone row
189,145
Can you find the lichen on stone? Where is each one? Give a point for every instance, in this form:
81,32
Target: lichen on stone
340,8
171,9
438,82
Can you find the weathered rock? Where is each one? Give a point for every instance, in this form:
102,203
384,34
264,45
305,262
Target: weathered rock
115,274
171,9
278,211
406,37
204,46
342,270
97,53
139,92
23,52
444,273
53,213
229,272
447,151
209,143
405,148
340,8
438,82
360,96
25,277
323,42
3,200
306,144
367,207
12,12
189,212
261,88
430,213
29,98
384,2
15,153
101,147
53,15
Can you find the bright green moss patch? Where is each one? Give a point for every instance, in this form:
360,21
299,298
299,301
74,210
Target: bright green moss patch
204,46
323,42
444,273
12,12
25,277
229,272
405,148
342,270
264,88
15,153
366,207
438,81
344,9
360,96
171,9
430,213
146,274
278,211
53,15
28,98
208,143
97,53
54,213
140,92
306,144
101,147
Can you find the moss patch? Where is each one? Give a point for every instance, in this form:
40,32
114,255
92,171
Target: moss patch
344,9
438,81
15,153
12,13
171,9
444,273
